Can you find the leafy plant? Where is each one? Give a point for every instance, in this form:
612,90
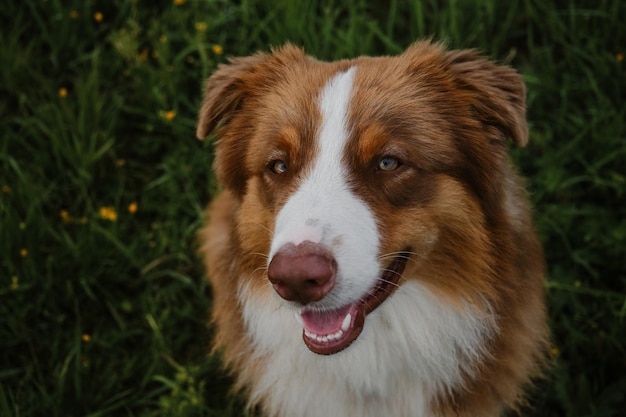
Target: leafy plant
103,305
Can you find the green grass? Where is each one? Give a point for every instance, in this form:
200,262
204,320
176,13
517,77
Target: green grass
106,316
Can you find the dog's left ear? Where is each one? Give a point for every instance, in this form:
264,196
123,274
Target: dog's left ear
499,94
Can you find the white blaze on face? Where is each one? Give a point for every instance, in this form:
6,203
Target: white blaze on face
324,210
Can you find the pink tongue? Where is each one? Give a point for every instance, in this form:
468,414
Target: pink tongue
324,322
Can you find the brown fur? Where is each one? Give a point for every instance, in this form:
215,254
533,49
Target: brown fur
459,205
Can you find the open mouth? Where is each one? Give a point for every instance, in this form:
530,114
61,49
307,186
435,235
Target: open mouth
329,332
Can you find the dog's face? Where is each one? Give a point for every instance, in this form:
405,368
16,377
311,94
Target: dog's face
357,176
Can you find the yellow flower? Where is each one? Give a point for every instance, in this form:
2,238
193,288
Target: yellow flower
554,351
169,115
24,252
201,26
120,162
98,16
217,49
132,208
86,338
108,213
65,216
619,56
179,2
62,92
74,14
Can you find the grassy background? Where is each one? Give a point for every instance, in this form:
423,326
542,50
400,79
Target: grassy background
103,305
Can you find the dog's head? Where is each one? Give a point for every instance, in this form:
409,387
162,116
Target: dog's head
355,175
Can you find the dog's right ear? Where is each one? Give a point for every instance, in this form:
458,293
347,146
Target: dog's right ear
225,90
225,93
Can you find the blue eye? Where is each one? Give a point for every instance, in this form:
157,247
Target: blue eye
388,163
279,167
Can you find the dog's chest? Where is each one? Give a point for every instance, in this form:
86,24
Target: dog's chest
297,385
412,348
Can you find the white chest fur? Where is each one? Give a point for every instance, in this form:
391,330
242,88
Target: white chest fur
413,346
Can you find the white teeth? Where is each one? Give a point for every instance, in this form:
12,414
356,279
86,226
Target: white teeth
326,338
346,323
335,336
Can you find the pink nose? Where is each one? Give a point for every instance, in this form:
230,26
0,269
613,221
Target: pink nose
303,273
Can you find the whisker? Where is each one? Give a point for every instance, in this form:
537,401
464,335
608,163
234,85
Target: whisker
262,255
401,254
385,290
410,256
261,268
262,226
391,282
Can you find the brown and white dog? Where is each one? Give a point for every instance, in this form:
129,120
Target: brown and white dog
372,252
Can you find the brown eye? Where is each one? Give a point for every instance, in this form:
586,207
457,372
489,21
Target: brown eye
388,163
279,167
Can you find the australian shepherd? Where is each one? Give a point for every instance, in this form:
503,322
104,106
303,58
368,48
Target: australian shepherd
371,252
